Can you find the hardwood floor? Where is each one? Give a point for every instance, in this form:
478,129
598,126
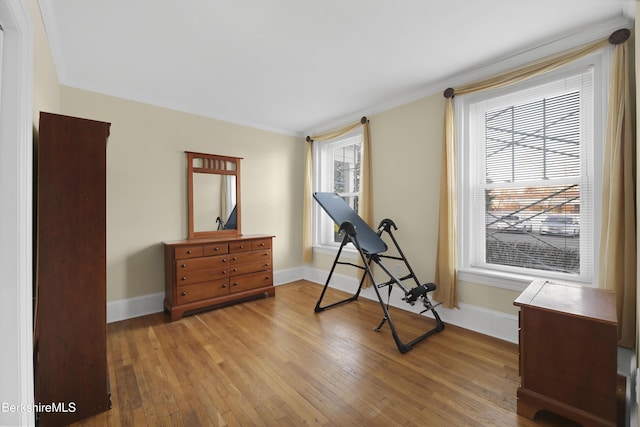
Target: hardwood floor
274,362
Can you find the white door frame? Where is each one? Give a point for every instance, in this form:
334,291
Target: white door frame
16,168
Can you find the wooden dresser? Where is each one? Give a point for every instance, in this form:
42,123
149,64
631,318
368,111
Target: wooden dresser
568,352
202,273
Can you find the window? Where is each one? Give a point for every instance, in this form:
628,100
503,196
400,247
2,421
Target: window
530,183
337,168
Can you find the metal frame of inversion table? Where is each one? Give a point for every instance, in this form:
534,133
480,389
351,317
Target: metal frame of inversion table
370,247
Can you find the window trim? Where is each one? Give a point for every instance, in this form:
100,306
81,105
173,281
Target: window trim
319,147
16,139
515,280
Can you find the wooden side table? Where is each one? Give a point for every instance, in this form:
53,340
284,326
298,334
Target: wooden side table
568,352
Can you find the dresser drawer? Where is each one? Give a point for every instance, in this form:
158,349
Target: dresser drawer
245,257
216,249
243,246
199,291
203,263
251,281
189,252
185,277
251,267
260,244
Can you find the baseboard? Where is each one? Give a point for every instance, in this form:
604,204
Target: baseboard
488,322
280,277
134,307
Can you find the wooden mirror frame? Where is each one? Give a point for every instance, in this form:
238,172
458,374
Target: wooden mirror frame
217,165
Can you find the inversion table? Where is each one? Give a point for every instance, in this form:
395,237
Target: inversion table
370,246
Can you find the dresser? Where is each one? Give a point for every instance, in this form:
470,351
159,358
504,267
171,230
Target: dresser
70,322
203,273
568,352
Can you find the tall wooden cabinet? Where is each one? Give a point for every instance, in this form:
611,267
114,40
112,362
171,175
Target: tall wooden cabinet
70,344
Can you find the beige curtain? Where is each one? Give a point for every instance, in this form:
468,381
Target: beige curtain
365,202
307,205
618,232
446,257
447,220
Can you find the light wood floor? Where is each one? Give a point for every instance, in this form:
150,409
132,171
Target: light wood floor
274,362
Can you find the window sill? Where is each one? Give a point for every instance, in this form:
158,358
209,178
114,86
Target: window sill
496,279
504,280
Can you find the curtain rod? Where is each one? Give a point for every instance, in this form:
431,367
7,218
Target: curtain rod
620,36
363,120
617,37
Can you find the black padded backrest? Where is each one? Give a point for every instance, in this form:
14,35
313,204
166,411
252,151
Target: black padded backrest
339,211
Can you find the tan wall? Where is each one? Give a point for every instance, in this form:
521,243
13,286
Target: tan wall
147,189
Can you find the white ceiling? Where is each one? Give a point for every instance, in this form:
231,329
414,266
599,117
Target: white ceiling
293,66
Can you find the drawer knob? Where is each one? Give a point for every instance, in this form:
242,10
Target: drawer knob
184,294
224,271
234,258
224,260
224,285
183,265
235,284
184,278
262,244
216,249
235,269
266,277
266,264
241,246
189,251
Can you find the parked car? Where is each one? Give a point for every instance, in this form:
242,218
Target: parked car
513,224
560,225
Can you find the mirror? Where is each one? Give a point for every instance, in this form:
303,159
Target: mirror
213,195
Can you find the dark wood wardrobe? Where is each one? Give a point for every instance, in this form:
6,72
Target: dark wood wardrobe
70,341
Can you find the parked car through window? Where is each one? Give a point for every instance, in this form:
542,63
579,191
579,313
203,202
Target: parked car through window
561,225
512,224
